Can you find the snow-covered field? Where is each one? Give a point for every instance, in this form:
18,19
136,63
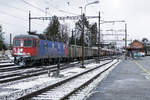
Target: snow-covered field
26,86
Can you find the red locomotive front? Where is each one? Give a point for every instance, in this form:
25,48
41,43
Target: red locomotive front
24,48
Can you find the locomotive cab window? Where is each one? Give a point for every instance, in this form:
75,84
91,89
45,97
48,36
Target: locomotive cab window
34,43
27,43
17,43
38,43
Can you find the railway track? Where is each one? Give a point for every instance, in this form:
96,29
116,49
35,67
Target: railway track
5,61
64,89
2,65
8,68
16,73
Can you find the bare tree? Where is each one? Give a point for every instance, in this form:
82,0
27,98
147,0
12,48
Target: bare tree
64,32
2,45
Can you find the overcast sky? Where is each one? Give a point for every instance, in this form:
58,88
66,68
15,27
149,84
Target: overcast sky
14,14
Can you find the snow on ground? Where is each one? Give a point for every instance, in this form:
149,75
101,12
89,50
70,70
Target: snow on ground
40,82
7,56
21,70
79,70
61,91
3,64
30,84
88,90
2,68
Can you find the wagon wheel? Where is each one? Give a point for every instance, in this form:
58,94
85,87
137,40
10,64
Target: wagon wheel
22,63
32,62
15,62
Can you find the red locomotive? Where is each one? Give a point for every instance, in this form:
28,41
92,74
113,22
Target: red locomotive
30,49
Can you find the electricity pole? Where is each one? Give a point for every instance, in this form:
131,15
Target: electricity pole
29,22
83,22
126,40
99,37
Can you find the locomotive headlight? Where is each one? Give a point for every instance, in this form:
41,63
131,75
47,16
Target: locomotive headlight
14,49
28,54
21,50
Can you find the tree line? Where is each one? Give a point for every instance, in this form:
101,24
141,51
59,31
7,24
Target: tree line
56,31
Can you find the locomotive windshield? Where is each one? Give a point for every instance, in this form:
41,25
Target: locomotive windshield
27,42
17,43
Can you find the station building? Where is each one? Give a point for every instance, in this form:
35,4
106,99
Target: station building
135,48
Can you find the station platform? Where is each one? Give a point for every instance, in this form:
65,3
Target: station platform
129,80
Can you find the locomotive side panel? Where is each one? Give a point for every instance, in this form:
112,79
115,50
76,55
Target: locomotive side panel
60,49
49,49
42,49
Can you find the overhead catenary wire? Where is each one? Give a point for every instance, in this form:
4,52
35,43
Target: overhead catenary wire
16,17
67,12
11,17
10,6
47,2
14,7
12,25
26,19
60,10
33,6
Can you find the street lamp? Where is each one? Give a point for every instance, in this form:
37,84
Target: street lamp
95,2
81,10
83,20
126,40
46,11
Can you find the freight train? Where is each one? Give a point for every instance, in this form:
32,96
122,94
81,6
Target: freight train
30,49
